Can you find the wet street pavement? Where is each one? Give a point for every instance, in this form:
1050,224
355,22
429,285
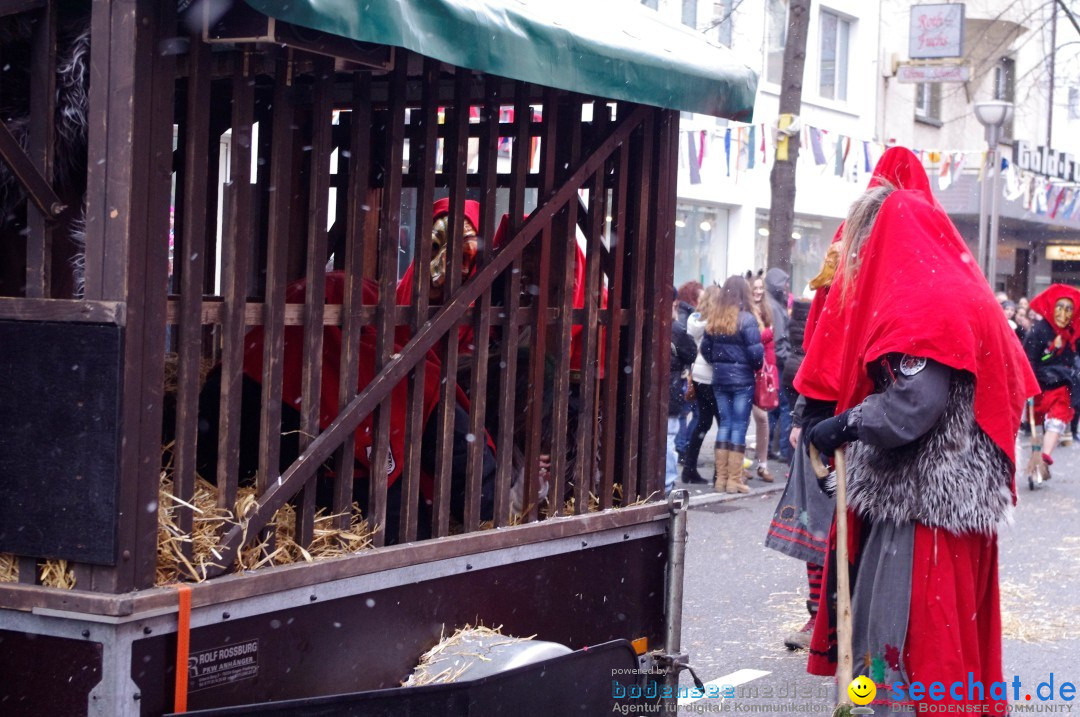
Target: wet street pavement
742,598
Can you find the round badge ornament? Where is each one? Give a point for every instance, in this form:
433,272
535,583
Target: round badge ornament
911,365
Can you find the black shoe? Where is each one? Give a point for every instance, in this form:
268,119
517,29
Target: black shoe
681,456
690,476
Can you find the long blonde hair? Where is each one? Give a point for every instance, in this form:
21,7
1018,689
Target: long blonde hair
708,301
860,221
734,297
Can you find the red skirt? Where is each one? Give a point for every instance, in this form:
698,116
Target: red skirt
1055,403
954,621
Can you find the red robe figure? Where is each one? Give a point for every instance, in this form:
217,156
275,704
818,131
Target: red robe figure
929,383
467,341
292,398
1050,346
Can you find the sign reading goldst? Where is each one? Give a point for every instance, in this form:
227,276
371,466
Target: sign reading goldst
936,31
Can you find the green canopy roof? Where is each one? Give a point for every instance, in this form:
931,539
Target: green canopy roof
607,48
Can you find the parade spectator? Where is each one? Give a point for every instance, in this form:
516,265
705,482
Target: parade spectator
1009,309
778,295
732,344
762,310
931,427
800,310
1051,348
683,353
701,376
1023,317
687,299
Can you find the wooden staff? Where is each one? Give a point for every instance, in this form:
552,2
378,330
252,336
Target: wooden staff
844,660
1034,465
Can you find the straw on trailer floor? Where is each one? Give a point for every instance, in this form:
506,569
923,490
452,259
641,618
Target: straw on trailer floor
452,656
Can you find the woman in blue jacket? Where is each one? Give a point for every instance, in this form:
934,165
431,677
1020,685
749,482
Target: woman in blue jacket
732,345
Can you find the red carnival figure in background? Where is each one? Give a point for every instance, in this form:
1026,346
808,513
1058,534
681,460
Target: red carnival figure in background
1050,346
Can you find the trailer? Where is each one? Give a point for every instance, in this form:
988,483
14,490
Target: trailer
189,190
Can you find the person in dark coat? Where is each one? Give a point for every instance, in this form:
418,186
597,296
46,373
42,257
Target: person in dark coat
686,300
683,353
732,344
777,287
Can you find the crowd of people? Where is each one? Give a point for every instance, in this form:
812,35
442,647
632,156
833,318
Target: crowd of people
874,369
729,353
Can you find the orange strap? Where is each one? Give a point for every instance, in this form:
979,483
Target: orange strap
183,647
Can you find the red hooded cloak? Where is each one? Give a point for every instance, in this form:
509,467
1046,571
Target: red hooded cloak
918,291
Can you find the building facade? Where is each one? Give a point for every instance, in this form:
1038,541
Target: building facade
859,96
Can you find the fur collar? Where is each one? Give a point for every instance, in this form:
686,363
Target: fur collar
954,477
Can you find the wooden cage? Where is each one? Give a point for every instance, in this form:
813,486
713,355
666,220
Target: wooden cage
220,173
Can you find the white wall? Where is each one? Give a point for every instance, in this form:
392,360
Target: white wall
819,192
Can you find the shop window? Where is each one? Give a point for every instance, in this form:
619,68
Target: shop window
928,102
689,13
700,243
810,239
776,17
649,3
722,21
1074,103
1005,89
833,67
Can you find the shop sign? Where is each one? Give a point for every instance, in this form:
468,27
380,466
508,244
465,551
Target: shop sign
936,31
1046,161
1063,252
933,73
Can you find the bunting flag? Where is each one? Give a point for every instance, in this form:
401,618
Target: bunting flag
1069,203
1013,186
958,165
693,158
1056,203
815,145
1042,197
740,150
1074,205
727,150
945,174
835,154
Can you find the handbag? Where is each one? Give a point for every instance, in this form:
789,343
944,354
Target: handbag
689,392
766,387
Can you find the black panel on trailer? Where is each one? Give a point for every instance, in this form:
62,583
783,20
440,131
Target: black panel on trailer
59,433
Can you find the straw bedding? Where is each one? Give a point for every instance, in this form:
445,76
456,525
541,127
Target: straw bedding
452,656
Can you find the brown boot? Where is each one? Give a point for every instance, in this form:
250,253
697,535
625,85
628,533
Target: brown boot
721,469
763,472
736,482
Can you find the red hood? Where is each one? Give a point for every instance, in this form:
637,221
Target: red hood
919,291
1044,303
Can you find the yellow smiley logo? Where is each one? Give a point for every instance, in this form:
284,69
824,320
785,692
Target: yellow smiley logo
862,690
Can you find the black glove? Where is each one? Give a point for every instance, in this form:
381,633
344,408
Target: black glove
831,433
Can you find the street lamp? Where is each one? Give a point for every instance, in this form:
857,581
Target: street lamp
992,114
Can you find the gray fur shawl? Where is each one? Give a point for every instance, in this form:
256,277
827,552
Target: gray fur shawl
953,477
